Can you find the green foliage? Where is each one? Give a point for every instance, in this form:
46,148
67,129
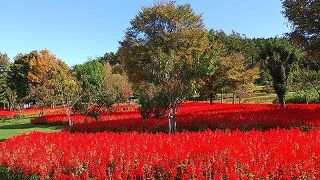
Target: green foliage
110,58
4,73
145,106
302,97
91,76
156,105
281,57
235,43
239,77
100,87
305,80
7,174
91,73
304,17
18,76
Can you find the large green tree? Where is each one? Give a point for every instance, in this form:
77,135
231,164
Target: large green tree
4,73
164,49
304,17
281,56
67,90
18,76
305,20
100,87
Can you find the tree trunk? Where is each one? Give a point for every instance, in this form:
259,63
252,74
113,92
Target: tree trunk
306,99
41,112
211,97
233,98
10,107
70,123
222,96
282,102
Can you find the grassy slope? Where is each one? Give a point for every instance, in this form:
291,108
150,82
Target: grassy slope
255,98
11,127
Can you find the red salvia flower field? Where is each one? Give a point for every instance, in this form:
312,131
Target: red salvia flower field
201,116
284,153
6,114
274,154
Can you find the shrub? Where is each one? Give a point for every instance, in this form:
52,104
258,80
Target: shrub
302,97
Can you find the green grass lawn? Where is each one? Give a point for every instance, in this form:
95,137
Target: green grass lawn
12,127
254,98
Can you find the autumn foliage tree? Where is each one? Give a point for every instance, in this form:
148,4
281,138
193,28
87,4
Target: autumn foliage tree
239,76
161,51
42,74
32,73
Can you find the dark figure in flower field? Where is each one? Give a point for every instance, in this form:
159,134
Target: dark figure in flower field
172,120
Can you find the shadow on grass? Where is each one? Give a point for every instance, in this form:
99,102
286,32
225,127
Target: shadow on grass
29,126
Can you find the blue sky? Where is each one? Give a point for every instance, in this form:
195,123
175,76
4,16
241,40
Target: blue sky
77,29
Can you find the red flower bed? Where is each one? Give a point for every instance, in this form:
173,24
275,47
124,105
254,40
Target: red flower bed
274,154
61,119
77,118
123,112
201,116
125,107
6,114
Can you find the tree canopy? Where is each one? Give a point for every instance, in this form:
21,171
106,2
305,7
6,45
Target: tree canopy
162,48
305,20
281,57
4,73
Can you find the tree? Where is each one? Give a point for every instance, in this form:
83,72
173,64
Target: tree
68,91
307,81
101,88
304,17
4,73
232,53
281,57
227,45
163,49
18,76
111,58
29,71
43,68
239,76
32,76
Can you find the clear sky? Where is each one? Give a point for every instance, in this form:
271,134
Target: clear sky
77,29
